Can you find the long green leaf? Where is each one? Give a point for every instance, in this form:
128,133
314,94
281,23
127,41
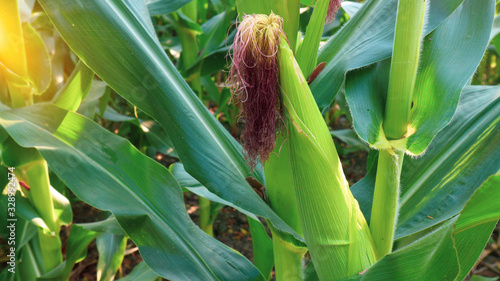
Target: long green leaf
430,258
116,43
145,198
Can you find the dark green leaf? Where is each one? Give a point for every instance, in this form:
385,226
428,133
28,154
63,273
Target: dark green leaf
141,272
109,225
161,7
145,198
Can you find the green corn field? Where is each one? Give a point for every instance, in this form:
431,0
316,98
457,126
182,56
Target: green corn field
233,140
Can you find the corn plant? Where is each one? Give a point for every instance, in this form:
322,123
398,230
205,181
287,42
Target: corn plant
424,211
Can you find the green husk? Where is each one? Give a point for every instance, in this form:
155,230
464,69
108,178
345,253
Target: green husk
336,233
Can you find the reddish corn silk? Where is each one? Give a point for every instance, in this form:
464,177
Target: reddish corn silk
254,84
23,184
333,8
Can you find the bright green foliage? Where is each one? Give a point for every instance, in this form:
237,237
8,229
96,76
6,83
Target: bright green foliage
74,91
148,79
442,253
366,39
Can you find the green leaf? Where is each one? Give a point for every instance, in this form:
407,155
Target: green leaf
109,225
141,272
262,244
449,252
117,46
111,250
90,103
351,7
365,39
215,31
430,258
32,265
476,223
161,7
145,198
75,89
458,161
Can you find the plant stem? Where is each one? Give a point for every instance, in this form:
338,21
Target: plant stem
189,45
385,200
50,246
205,217
404,66
37,174
38,177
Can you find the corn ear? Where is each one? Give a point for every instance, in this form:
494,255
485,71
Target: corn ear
335,230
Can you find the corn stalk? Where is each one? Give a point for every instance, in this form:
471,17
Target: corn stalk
409,23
